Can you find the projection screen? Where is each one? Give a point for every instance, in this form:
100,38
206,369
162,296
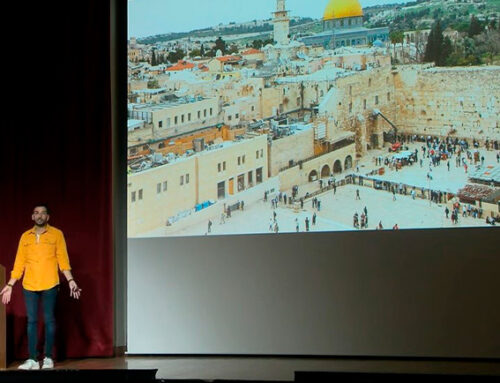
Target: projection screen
303,178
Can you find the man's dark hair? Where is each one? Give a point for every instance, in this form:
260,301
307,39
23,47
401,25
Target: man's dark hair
43,205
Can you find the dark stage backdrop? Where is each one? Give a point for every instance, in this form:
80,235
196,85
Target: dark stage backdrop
56,147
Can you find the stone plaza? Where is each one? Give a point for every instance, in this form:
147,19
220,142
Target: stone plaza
337,209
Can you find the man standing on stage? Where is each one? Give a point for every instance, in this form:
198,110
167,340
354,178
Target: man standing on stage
41,253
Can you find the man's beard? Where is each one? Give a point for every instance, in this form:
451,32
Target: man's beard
40,224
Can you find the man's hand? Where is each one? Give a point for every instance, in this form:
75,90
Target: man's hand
74,291
6,294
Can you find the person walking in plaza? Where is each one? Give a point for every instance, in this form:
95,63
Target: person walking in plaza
41,254
357,194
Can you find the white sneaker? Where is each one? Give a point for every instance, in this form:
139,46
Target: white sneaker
47,363
30,364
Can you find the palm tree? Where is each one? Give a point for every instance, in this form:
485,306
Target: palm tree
397,37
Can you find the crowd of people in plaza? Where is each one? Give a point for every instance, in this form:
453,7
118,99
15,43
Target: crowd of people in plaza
434,152
437,151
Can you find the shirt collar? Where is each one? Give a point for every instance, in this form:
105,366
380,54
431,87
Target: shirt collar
47,228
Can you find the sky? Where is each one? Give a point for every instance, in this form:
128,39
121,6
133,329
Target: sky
153,17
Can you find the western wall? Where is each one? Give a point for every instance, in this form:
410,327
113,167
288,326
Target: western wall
460,102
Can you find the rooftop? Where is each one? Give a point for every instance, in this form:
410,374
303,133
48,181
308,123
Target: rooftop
149,162
327,74
181,65
165,105
229,59
487,174
149,91
251,51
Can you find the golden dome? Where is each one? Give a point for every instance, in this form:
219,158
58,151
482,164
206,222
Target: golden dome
337,9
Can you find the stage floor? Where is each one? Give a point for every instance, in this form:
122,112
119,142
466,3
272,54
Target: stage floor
272,368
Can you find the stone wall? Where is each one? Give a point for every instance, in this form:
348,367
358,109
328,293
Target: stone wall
461,102
296,147
299,175
352,101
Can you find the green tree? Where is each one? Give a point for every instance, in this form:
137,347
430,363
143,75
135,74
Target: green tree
195,53
397,37
487,44
179,54
233,49
257,44
493,24
475,27
153,84
220,44
469,46
434,51
153,59
447,50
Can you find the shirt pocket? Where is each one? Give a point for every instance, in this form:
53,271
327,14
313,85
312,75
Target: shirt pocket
46,248
48,241
28,247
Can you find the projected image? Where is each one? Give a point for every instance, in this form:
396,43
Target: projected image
275,116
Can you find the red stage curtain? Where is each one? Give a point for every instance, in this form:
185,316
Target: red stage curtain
56,139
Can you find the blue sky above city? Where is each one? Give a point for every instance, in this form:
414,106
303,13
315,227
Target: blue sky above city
152,17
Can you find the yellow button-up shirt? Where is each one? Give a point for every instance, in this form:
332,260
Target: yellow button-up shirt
39,257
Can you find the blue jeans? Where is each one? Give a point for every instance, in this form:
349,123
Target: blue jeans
32,300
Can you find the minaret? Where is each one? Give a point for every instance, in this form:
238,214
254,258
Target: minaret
281,24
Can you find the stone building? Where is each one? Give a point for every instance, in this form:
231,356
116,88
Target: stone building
177,116
226,169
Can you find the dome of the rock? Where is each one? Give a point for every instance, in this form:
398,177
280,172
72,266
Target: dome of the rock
337,9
